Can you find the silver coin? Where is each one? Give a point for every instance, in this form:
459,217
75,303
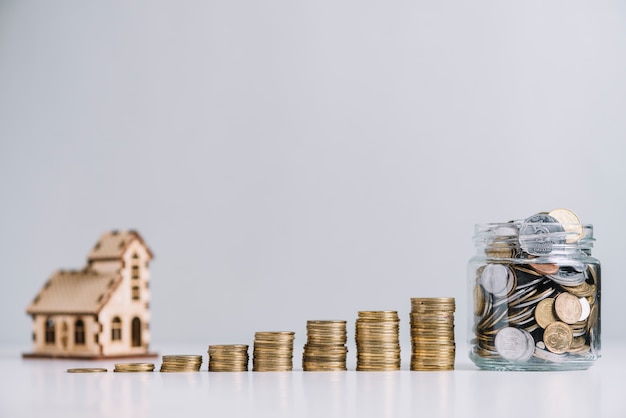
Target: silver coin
495,279
505,231
548,356
569,276
539,233
586,309
514,344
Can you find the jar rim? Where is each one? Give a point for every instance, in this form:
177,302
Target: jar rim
562,235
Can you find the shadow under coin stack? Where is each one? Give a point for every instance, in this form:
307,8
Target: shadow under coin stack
377,341
133,367
432,334
181,363
228,358
325,349
273,351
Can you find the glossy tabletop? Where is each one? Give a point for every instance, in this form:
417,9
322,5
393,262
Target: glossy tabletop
35,387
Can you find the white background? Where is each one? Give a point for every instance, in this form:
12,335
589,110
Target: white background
288,161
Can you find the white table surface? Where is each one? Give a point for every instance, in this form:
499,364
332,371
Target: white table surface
38,388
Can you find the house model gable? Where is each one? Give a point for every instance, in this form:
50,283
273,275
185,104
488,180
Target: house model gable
100,311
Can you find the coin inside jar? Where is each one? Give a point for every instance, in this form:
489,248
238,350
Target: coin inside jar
586,308
495,279
558,337
571,224
544,312
545,268
514,344
568,308
539,233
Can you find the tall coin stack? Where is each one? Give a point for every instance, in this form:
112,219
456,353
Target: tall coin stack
325,349
377,341
181,363
228,358
432,333
273,351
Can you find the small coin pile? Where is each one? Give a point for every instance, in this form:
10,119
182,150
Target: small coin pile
377,341
432,333
87,370
325,349
228,358
133,367
181,363
273,351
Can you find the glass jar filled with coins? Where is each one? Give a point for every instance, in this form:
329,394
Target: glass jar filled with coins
536,294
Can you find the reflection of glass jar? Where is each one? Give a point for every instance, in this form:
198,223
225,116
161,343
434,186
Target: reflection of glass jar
536,296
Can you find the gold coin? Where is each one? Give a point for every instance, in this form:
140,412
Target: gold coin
500,250
182,358
583,290
570,222
340,323
228,347
87,370
324,368
274,335
568,308
593,317
544,312
479,300
377,368
433,301
558,337
134,367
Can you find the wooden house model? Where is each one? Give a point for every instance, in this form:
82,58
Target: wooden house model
100,311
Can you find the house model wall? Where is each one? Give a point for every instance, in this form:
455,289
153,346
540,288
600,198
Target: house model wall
102,310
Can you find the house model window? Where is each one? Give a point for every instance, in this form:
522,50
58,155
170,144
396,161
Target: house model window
49,331
116,329
101,310
79,332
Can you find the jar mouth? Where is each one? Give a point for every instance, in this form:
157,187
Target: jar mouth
535,238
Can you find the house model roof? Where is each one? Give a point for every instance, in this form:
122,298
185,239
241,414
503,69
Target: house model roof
75,292
85,291
112,245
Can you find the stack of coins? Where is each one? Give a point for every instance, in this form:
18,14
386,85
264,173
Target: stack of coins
432,334
325,349
134,367
181,363
228,358
377,341
87,370
273,351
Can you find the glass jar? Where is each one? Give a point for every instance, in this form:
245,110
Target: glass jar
536,295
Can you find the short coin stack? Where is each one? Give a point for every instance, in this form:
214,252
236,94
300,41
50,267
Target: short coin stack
181,363
228,358
377,341
273,351
432,333
87,370
325,349
134,367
